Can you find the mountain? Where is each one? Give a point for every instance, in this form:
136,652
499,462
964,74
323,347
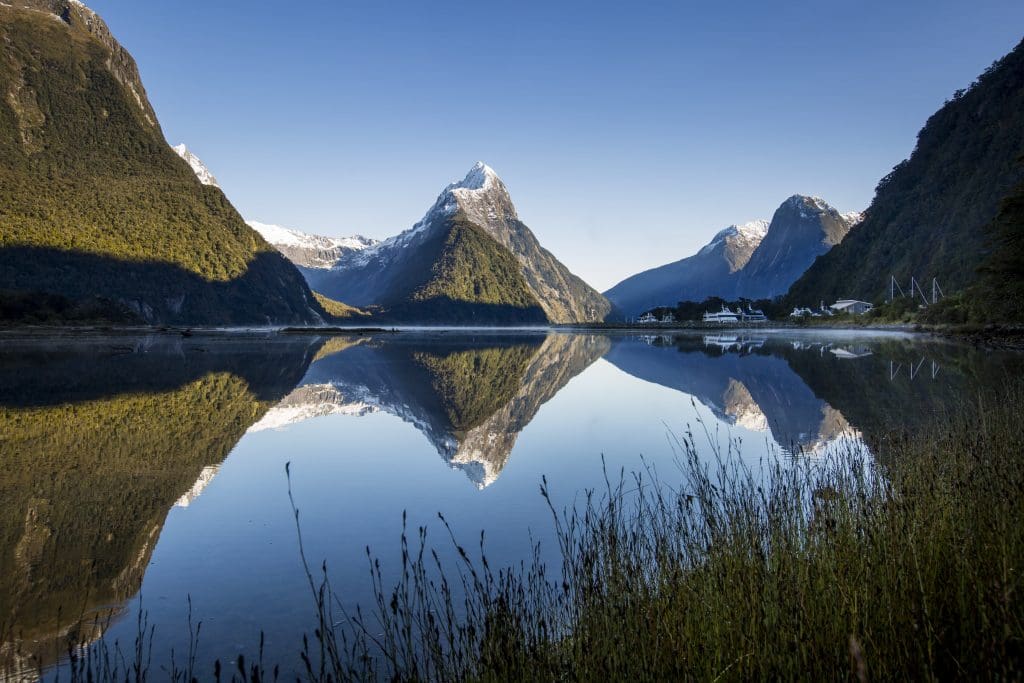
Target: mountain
802,229
97,210
750,386
310,252
929,216
756,260
469,259
99,442
198,167
470,399
709,272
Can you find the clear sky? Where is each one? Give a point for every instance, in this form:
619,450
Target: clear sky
627,132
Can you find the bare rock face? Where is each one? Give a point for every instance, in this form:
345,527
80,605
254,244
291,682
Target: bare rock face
802,229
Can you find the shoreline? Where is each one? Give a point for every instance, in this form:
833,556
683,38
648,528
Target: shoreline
991,335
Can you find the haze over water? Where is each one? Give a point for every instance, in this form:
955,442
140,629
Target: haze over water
140,473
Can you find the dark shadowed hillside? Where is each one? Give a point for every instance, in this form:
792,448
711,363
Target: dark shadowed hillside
929,215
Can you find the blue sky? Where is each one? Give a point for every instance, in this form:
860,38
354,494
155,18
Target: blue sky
628,133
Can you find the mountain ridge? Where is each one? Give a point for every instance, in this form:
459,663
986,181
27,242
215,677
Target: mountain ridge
390,273
755,260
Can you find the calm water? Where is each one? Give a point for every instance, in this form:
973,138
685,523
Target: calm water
139,473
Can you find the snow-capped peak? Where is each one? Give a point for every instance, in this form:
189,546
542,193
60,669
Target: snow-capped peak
480,177
853,217
751,231
286,237
198,167
311,251
481,196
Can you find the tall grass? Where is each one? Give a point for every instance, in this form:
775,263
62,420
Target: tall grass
908,566
905,565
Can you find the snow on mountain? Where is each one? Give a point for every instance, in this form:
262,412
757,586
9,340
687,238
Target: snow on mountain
470,194
710,272
382,275
310,251
853,217
202,481
738,241
802,229
310,401
198,167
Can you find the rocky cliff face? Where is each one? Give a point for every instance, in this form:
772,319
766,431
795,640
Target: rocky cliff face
392,273
802,229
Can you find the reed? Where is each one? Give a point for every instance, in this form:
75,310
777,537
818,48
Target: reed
902,565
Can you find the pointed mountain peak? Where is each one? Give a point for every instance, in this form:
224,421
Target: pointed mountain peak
481,196
480,177
198,167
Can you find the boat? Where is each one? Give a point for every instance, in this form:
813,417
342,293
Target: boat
723,317
754,315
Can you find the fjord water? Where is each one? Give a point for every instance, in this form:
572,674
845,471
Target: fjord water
146,476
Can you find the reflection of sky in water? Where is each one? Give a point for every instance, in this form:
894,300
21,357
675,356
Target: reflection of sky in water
233,548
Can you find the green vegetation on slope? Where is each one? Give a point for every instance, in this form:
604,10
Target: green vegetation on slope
96,445
929,215
474,384
93,203
465,276
337,309
998,296
474,268
86,487
1001,290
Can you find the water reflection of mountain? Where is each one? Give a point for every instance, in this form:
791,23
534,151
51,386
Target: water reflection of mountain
97,441
471,397
898,384
808,391
739,380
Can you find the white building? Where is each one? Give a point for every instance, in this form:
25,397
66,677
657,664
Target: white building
851,306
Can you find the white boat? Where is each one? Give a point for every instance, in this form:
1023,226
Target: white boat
723,317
